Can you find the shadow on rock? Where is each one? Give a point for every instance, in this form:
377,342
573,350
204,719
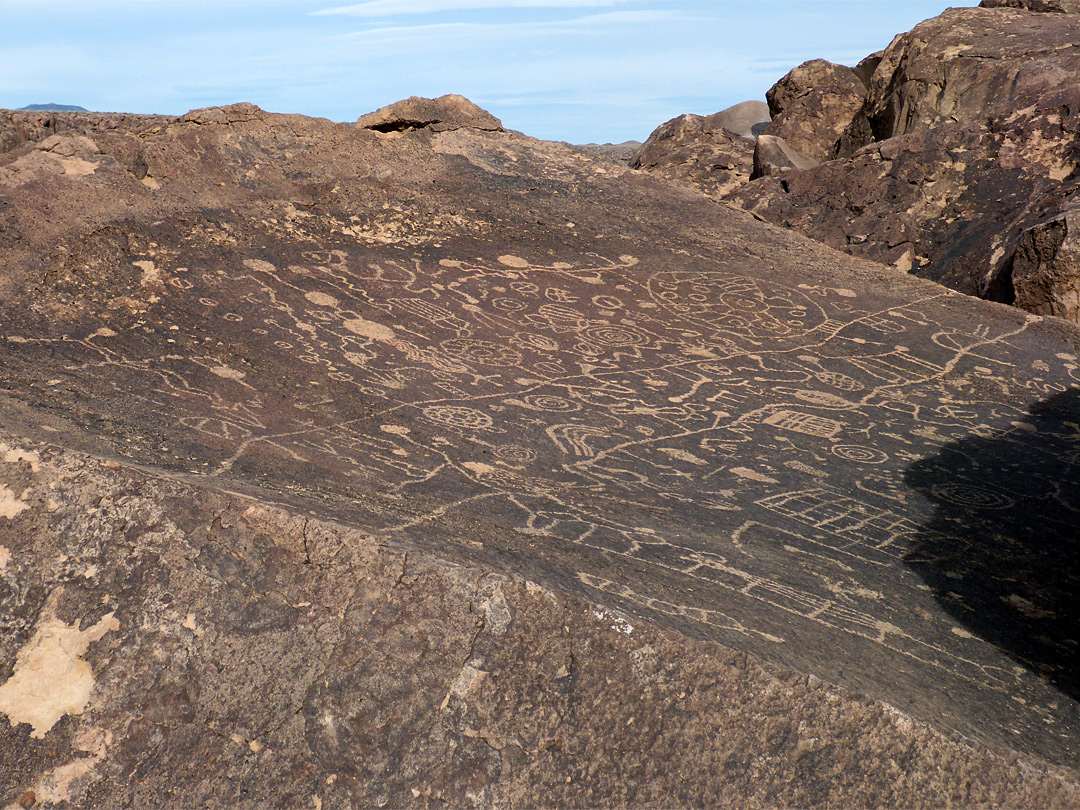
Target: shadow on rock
1002,550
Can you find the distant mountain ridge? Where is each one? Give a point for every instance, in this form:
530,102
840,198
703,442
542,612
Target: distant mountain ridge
52,106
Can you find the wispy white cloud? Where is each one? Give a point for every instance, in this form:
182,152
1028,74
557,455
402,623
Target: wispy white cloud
450,35
395,8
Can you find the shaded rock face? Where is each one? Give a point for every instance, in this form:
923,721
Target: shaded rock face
293,415
438,114
700,150
1044,273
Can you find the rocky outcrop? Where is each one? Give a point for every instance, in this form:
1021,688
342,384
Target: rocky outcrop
1046,6
437,114
18,127
967,138
699,150
230,114
813,105
972,66
343,469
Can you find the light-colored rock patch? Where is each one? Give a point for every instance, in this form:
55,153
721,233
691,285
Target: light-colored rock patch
51,679
10,505
14,455
228,373
370,329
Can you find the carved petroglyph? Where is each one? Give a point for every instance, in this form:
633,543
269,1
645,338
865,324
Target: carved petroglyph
739,441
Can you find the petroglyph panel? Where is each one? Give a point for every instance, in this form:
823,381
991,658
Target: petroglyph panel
718,451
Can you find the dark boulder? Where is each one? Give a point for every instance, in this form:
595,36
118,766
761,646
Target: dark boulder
700,151
1046,6
810,75
966,141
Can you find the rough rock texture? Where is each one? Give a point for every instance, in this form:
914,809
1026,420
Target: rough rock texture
439,114
714,153
619,152
258,658
1051,6
813,105
967,138
773,155
18,127
293,415
699,150
1044,274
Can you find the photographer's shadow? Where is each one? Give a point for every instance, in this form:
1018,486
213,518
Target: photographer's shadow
1002,550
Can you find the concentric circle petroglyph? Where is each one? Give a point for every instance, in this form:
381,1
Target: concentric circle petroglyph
550,403
618,336
738,305
972,497
458,416
481,352
860,454
515,454
540,343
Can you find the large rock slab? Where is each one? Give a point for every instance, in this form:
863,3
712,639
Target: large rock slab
314,666
295,364
1045,6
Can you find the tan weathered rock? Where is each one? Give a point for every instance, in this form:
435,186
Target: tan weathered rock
773,155
437,114
746,119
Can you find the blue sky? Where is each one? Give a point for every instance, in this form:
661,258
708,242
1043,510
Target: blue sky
576,70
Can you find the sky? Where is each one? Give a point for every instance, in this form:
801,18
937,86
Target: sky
573,70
